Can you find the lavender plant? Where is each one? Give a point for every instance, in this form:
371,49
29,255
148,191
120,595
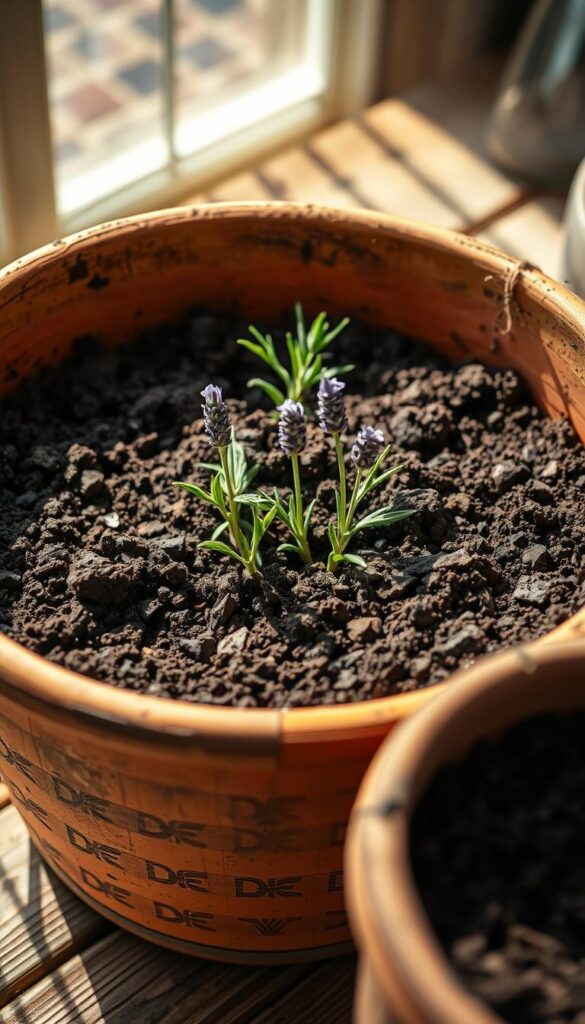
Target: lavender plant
332,420
305,360
230,493
292,437
229,480
368,455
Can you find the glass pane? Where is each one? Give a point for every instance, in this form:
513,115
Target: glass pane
105,70
233,63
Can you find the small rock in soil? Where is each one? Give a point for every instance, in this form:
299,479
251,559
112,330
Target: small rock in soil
536,557
223,610
151,528
97,580
200,648
364,628
234,642
420,667
149,608
345,680
531,590
171,544
551,470
464,641
420,565
506,474
92,483
542,492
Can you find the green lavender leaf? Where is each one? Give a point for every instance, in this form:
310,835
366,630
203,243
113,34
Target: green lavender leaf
222,549
217,490
274,394
198,492
293,548
334,371
333,539
219,530
379,480
331,335
308,514
380,518
354,560
316,333
301,336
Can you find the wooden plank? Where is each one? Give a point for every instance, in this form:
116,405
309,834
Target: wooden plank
122,979
4,797
374,174
442,156
296,176
246,185
325,996
533,232
41,923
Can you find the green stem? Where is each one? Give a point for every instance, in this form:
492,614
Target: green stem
233,517
354,501
300,526
343,535
342,483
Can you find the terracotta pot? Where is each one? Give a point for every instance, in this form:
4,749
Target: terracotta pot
216,831
404,976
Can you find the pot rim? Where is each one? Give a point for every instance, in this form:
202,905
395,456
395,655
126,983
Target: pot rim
392,929
43,682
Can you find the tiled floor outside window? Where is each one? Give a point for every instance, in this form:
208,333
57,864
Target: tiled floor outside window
105,66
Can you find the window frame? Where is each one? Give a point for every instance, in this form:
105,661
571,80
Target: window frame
28,208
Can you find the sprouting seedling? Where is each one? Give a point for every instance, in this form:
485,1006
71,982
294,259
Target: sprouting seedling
229,479
368,455
305,360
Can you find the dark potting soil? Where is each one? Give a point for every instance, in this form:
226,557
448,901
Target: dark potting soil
499,853
99,565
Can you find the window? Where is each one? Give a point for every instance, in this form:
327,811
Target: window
113,106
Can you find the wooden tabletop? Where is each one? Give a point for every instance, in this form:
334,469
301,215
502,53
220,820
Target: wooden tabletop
420,156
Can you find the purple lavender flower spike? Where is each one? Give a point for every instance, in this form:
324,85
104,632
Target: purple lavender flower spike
216,416
366,447
292,427
331,406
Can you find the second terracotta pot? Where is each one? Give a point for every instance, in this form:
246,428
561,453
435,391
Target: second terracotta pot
404,976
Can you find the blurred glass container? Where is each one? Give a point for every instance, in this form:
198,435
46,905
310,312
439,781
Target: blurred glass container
537,128
574,251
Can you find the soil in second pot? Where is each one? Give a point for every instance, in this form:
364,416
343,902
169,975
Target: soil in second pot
100,569
499,853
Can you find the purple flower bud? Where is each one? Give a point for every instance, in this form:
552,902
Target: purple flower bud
292,428
366,447
216,416
331,406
